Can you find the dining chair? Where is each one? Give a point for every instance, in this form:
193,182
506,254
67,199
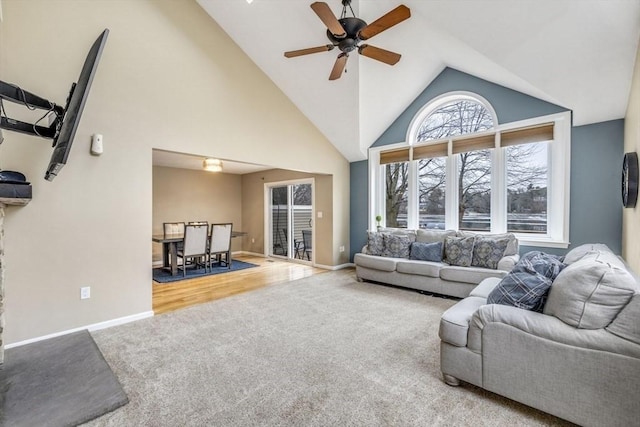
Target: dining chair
220,244
306,248
195,246
172,228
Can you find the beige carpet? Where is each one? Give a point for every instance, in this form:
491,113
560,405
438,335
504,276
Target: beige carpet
325,351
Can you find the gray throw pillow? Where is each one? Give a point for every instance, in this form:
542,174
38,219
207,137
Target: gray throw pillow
426,251
459,250
375,243
590,293
527,285
396,246
488,252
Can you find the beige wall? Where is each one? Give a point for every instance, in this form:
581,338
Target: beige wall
631,216
253,190
169,78
191,195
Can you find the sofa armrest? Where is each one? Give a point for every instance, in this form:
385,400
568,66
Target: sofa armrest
547,327
507,262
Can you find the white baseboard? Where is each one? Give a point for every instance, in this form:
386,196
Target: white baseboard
92,327
335,267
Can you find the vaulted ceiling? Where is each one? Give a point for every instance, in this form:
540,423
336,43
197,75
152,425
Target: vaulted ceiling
578,54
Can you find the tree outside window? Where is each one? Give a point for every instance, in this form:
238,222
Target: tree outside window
526,170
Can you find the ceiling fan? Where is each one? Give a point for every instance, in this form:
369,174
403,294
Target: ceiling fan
347,32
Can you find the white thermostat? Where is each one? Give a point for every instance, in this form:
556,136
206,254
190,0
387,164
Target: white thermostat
96,144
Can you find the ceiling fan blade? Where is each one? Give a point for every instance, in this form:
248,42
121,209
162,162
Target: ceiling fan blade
300,52
381,55
385,22
328,18
338,67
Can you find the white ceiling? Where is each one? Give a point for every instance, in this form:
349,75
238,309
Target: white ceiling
578,54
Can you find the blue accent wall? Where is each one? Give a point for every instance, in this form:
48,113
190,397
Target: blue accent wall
358,222
510,105
596,156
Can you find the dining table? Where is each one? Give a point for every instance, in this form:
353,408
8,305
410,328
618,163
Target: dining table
170,248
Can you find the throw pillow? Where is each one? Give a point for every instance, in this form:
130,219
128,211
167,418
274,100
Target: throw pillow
459,250
527,285
488,252
426,251
512,247
590,293
375,243
396,246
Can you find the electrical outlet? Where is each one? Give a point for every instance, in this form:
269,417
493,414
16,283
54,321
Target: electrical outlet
341,248
253,240
85,292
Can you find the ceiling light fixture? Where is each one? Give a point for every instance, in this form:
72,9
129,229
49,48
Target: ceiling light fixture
212,165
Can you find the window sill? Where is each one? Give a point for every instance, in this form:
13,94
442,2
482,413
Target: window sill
541,241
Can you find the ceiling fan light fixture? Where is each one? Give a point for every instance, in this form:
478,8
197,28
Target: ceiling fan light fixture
347,32
212,165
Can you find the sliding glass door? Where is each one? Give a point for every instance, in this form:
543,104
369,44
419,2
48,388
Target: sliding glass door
291,220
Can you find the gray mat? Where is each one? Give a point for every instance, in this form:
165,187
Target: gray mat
63,381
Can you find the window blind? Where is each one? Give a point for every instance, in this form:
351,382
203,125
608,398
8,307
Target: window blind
527,135
475,143
394,156
430,151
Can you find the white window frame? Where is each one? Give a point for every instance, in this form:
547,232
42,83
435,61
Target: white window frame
558,185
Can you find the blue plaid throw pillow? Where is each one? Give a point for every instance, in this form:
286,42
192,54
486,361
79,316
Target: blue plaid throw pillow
528,284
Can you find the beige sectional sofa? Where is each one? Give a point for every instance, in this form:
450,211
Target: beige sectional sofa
432,276
578,359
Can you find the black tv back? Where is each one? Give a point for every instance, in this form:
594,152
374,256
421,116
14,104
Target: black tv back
78,94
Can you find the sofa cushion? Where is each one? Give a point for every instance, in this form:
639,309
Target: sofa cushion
473,275
577,253
512,247
488,252
375,243
426,251
458,250
590,293
420,268
396,245
627,323
375,262
485,287
433,236
527,285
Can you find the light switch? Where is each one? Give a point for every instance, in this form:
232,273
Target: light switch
319,214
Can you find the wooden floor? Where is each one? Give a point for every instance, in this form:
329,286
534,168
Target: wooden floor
173,296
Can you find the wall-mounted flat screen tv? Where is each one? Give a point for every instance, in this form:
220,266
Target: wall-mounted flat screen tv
73,110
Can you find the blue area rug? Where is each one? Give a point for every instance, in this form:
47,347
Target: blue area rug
161,275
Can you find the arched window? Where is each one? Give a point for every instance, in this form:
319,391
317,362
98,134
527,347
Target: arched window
460,169
443,119
456,117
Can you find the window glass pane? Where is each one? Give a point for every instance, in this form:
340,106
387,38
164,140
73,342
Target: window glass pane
474,190
431,193
397,186
455,118
527,174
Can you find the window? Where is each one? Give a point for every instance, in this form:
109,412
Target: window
460,169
